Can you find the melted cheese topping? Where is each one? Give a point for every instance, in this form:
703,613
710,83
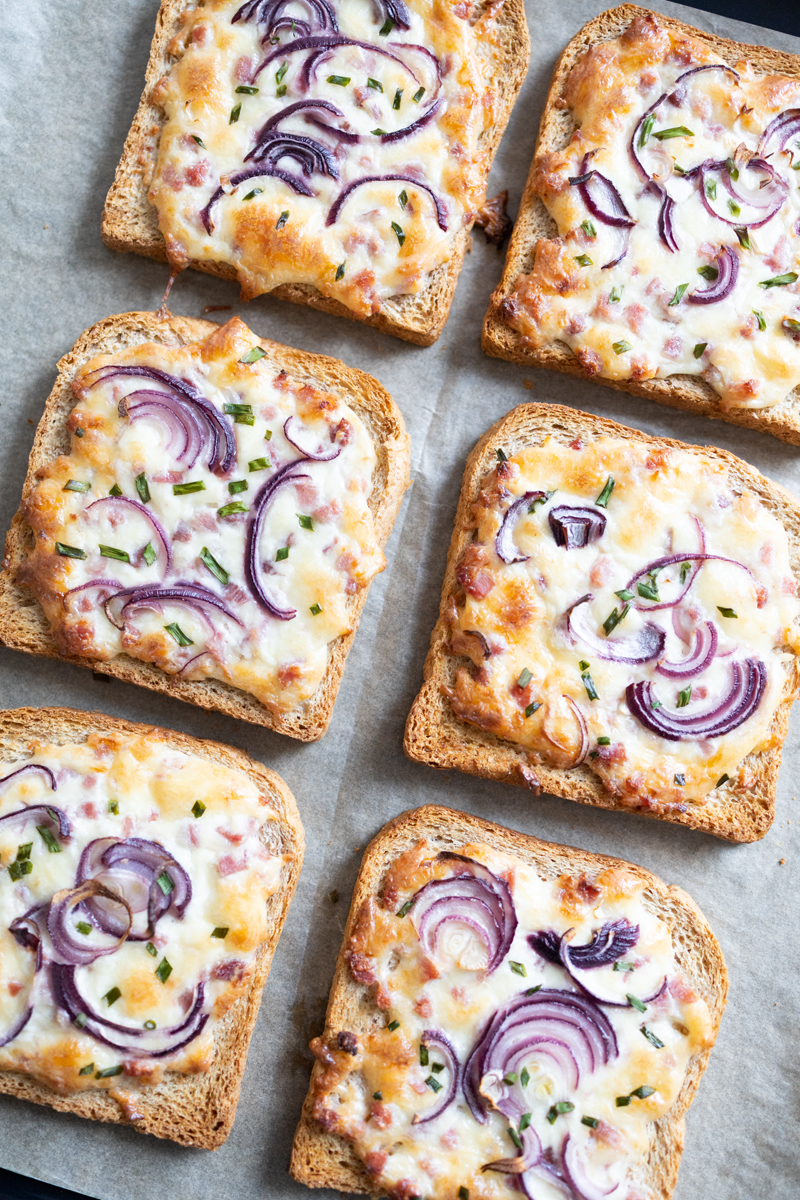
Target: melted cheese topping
635,320
152,789
528,682
371,1090
317,547
281,228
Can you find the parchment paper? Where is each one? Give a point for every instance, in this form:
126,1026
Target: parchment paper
71,82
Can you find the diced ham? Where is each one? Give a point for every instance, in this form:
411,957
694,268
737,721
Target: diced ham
235,839
750,326
381,1115
422,1007
232,971
243,71
635,314
577,323
327,512
14,988
375,1161
780,258
197,173
228,865
789,586
182,533
614,753
673,347
88,809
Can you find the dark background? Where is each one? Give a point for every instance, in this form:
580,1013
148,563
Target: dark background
773,14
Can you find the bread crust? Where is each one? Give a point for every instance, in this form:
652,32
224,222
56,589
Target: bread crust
499,340
130,222
194,1110
23,625
321,1159
738,812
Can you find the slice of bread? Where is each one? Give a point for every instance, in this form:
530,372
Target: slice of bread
688,392
23,624
740,811
131,223
195,1110
322,1159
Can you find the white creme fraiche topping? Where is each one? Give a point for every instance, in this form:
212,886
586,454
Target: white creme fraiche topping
100,512
134,791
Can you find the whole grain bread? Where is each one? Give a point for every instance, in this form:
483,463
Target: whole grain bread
195,1110
741,810
321,1159
131,223
688,392
23,625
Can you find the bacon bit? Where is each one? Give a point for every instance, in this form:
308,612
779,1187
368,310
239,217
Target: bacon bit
471,573
347,1042
232,971
635,314
194,835
767,554
171,178
781,256
614,753
577,324
328,1120
168,477
235,594
475,712
762,596
673,347
680,989
647,80
640,368
197,173
141,1066
427,969
603,308
362,967
381,1114
235,839
450,1140
422,1007
789,586
327,512
289,673
243,71
608,1135
492,218
375,1161
576,444
530,780
228,865
88,809
750,326
14,988
127,826
602,570
589,359
200,34
307,494
383,999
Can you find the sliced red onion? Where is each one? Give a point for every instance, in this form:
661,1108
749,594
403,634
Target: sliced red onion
699,657
623,237
296,433
17,1028
42,814
336,207
324,42
643,646
434,1037
767,205
395,11
158,1043
504,541
780,130
311,156
68,945
50,778
530,1153
727,264
105,585
606,945
678,93
126,861
291,473
666,230
748,681
26,930
546,943
307,109
575,527
127,506
602,198
550,1174
270,15
238,177
155,595
578,1176
669,560
398,135
186,430
475,898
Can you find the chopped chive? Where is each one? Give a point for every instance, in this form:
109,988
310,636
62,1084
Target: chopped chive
87,1070
164,970
621,347
517,967
678,169
700,349
734,208
524,1077
624,594
377,1095
69,551
149,1025
235,113
211,564
401,237
583,260
165,883
418,95
340,270
647,129
229,510
283,553
24,851
315,610
113,552
392,1026
656,704
403,198
463,1193
398,96
708,272
115,490
592,1122
648,591
268,436
245,90
651,1037
199,141
531,708
615,295
80,432
525,677
253,355
516,1139
679,290
502,456
532,991
510,1079
83,927
386,28
142,488
744,239
235,410
684,696
619,965
790,325
373,83
401,912
664,135
588,228
759,316
588,683
111,1071
556,1110
534,504
17,869
220,931
112,996
605,495
423,1055
623,1101
76,485
282,219
306,522
149,555
378,132
180,637
53,846
643,1092
584,666
680,780
339,80
614,617
150,948
722,779
727,612
198,808
779,280
259,464
636,1003
711,189
279,92
279,74
237,485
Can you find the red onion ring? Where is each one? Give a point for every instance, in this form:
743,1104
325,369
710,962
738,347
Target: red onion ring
252,556
17,1028
42,814
51,779
666,230
142,858
325,42
643,646
782,127
264,169
699,657
336,207
575,527
127,505
679,94
306,107
434,1037
398,135
670,560
294,431
269,15
728,267
748,681
504,540
190,595
175,416
578,1177
774,196
623,245
80,951
601,197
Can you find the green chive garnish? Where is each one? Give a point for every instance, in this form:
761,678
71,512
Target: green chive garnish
636,1003
208,561
700,349
228,510
315,610
588,228
386,28
423,1055
163,970
142,488
651,1037
339,80
180,637
588,683
615,295
186,489
711,190
373,83
253,355
418,95
165,883
83,927
306,522
727,612
744,239
583,260
563,1106
80,432
525,1077
624,966
113,552
69,551
647,129
648,591
722,779
643,1092
779,280
149,555
198,808
258,464
221,931
531,708
235,112
112,996
237,485
245,90
377,1095
679,290
463,1193
115,490
684,696
76,485
398,96
282,219
392,1026
790,325
111,1071
403,198
401,237
512,1133
80,1020
87,1070
592,1122
199,141
532,991
517,967
340,270
24,851
510,1079
624,594
759,316
605,495
149,1025
614,617
150,948
502,456
401,912
268,436
734,208
17,869
47,837
525,678
283,553
664,135
279,74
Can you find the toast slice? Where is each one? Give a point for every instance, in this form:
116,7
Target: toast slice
23,625
130,222
321,1159
194,1110
740,811
687,392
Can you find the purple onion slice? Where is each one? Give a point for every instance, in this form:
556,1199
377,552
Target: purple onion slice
779,131
747,684
602,198
727,264
607,944
144,874
296,433
310,155
581,962
320,43
50,779
575,527
307,108
434,1037
578,1177
549,1173
26,930
623,237
546,943
394,11
398,135
529,1155
186,430
42,814
17,1027
72,947
643,646
678,92
291,473
269,15
263,169
155,595
504,541
128,506
699,657
670,560
336,207
665,227
769,200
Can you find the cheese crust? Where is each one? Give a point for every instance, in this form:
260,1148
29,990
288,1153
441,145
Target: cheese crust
213,821
100,511
375,1090
307,112
558,636
625,300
